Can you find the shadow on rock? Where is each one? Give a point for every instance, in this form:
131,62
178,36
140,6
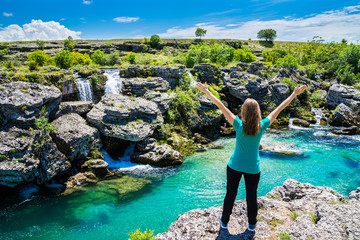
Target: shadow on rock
224,234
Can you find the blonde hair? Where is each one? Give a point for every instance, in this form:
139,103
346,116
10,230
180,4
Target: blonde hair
250,116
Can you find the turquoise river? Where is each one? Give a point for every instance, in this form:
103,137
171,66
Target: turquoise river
148,197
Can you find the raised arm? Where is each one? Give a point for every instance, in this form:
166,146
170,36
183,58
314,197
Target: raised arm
230,117
273,115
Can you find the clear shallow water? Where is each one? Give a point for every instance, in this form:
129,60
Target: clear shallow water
113,208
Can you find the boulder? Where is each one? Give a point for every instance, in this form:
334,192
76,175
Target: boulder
353,130
344,116
79,180
281,148
256,68
21,102
139,86
78,107
73,136
294,210
208,73
355,194
279,92
339,93
300,122
29,156
149,152
160,98
124,117
97,166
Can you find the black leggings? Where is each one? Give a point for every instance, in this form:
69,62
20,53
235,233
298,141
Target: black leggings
251,184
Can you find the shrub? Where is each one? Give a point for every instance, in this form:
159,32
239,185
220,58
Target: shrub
63,59
34,77
294,215
33,65
284,236
19,77
112,58
244,56
315,98
155,41
130,58
40,44
145,48
289,61
346,75
289,83
98,57
138,235
68,44
40,57
221,54
80,59
274,55
108,43
190,61
184,82
8,64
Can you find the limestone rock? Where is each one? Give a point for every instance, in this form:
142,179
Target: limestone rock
160,98
79,107
124,117
208,73
73,136
355,194
149,152
344,116
347,95
139,86
21,102
353,130
300,122
97,166
281,148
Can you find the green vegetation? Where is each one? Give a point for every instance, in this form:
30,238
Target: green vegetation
284,236
200,32
99,57
68,44
63,59
155,41
244,56
40,44
267,34
130,58
148,234
39,58
314,219
294,215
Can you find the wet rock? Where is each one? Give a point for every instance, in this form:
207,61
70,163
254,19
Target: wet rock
323,121
344,116
200,139
78,107
214,146
97,166
29,156
353,130
208,73
321,213
73,136
150,152
79,180
300,122
139,86
124,117
21,102
281,148
227,131
340,93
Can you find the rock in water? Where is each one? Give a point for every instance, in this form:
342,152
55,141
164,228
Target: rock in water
27,156
344,116
299,210
301,122
21,102
340,93
124,117
73,136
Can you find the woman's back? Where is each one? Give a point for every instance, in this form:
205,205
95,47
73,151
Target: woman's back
245,157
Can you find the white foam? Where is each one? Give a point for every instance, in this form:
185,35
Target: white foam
114,82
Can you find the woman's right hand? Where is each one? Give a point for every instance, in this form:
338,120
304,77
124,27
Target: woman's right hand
298,90
202,87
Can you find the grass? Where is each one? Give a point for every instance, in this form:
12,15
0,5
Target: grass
284,236
294,215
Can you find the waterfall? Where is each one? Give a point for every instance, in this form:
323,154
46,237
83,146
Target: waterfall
85,91
114,82
121,162
318,114
192,82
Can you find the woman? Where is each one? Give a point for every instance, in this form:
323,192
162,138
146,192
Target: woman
245,158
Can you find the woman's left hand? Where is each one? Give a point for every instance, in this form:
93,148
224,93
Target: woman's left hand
202,87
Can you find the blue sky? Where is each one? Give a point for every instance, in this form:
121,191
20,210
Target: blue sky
94,19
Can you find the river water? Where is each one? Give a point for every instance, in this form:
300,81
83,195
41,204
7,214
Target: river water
154,197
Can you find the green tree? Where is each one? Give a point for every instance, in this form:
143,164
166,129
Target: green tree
38,58
267,34
40,44
155,41
68,44
200,32
63,59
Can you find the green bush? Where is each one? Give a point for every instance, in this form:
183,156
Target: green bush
221,54
289,61
244,56
80,59
40,57
289,83
112,58
190,61
33,65
68,44
155,41
284,236
98,57
8,64
34,77
138,235
40,44
108,43
130,58
63,59
315,98
145,48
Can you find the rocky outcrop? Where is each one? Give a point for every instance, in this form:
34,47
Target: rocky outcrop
344,116
281,148
353,130
150,152
29,156
339,93
97,166
139,86
22,102
160,98
294,211
279,92
124,117
73,136
172,74
300,122
78,107
208,73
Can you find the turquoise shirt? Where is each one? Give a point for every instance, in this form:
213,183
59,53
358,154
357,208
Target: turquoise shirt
245,157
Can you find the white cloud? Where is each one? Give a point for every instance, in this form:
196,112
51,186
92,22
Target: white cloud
331,25
126,19
87,2
62,19
7,14
82,19
37,29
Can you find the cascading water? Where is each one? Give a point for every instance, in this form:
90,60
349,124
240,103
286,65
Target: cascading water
114,82
318,114
192,82
85,91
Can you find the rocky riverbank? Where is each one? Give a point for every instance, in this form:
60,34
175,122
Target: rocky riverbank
292,211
